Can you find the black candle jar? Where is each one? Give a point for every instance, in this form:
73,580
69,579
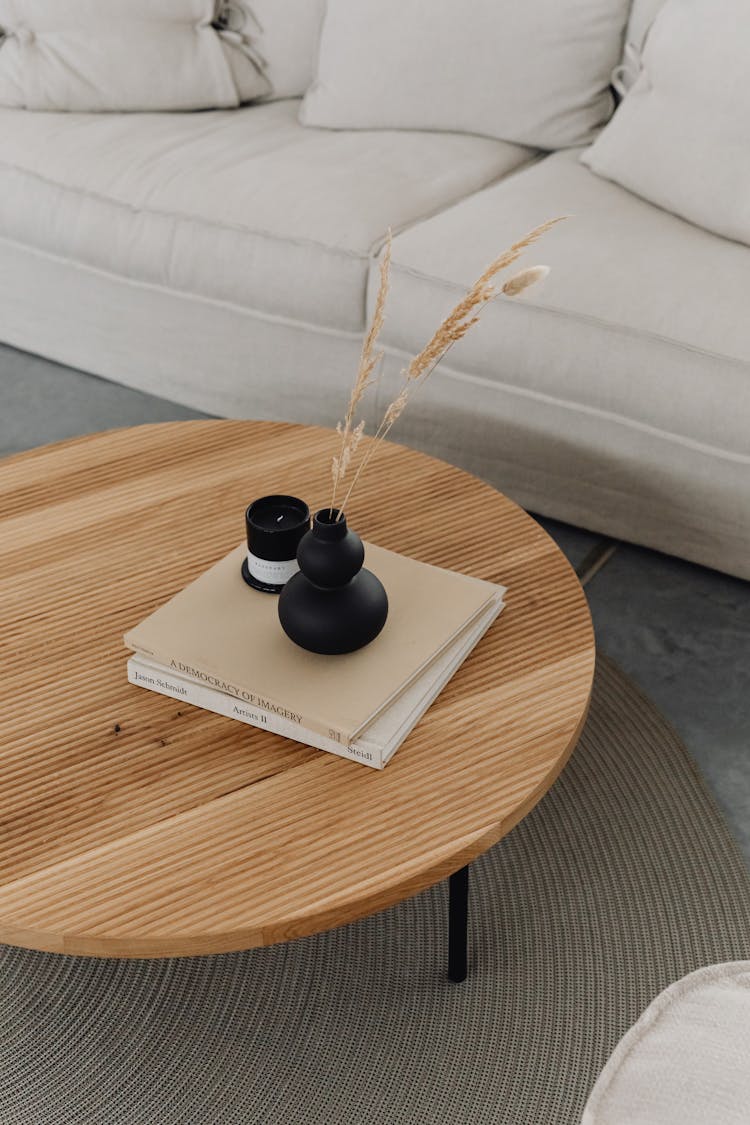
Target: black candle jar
275,525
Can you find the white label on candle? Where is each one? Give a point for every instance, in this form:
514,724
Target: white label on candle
270,572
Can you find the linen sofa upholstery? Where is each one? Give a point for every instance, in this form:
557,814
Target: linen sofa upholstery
617,395
244,206
224,260
218,259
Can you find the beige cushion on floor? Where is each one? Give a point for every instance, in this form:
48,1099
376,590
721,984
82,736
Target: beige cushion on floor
687,1059
681,138
243,206
97,55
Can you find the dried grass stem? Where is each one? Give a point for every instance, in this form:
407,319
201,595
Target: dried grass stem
452,329
350,433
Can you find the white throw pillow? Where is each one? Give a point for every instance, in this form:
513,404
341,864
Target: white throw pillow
92,55
536,72
681,138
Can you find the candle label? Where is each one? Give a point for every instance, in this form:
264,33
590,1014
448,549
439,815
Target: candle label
270,572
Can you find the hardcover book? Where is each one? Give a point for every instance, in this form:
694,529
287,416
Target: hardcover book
218,643
377,743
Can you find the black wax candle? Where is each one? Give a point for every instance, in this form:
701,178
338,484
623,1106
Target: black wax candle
274,525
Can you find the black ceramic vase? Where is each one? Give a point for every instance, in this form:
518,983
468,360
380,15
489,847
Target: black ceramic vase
332,605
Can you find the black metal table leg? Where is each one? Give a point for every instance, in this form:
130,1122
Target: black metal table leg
458,922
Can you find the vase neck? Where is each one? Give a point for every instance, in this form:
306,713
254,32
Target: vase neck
328,526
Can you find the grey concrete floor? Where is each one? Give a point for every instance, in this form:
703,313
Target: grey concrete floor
680,631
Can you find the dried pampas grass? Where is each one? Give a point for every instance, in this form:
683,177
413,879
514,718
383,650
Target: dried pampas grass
523,279
350,434
453,328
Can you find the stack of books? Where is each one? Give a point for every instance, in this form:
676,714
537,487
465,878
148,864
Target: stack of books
218,645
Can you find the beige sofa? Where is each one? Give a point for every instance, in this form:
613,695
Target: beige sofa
226,260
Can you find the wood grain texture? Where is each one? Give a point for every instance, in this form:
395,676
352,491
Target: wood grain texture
133,826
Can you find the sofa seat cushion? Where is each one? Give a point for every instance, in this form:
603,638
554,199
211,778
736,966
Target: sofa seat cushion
687,1059
243,206
642,321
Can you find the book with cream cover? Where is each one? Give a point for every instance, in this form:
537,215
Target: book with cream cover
221,634
380,739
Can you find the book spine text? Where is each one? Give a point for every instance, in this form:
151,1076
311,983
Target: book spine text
251,699
166,682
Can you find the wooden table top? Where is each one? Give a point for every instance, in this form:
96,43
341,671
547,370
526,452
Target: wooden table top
134,826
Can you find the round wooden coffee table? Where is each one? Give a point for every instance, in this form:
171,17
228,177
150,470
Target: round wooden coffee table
131,826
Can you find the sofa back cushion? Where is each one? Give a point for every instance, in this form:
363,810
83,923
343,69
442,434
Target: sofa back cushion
536,72
91,55
681,137
642,15
286,34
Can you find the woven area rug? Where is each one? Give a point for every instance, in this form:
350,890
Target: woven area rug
623,879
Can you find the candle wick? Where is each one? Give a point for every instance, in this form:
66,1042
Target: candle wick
279,519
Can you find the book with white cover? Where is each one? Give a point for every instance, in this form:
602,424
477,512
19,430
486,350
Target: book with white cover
375,746
221,632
